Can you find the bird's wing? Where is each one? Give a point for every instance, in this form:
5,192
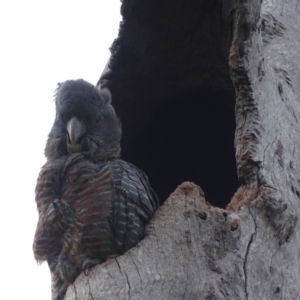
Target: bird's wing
134,204
45,243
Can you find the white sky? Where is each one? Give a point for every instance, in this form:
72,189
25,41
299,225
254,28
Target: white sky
41,43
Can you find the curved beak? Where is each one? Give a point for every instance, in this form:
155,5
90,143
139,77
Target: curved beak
76,129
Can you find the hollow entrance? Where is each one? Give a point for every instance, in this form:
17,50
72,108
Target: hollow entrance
179,49
190,138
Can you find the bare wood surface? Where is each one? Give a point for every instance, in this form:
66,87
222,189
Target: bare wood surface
266,77
190,249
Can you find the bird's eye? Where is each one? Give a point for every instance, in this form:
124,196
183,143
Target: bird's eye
98,119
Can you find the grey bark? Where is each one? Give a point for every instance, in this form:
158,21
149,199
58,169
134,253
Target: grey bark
251,250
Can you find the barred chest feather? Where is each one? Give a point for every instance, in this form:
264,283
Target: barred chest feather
89,212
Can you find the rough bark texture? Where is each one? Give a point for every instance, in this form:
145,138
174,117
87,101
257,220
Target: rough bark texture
185,255
193,250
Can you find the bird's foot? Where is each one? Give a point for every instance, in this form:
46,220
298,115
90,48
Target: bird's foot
89,263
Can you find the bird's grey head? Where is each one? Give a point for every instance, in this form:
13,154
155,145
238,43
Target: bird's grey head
85,122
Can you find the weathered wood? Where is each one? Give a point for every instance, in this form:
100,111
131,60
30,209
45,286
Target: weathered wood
251,250
191,249
265,71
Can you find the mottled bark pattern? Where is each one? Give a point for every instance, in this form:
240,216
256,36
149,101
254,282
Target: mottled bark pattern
264,61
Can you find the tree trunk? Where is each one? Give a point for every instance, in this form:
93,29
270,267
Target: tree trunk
173,51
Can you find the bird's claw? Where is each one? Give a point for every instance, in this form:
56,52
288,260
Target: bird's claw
88,264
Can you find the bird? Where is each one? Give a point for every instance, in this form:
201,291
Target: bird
92,205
